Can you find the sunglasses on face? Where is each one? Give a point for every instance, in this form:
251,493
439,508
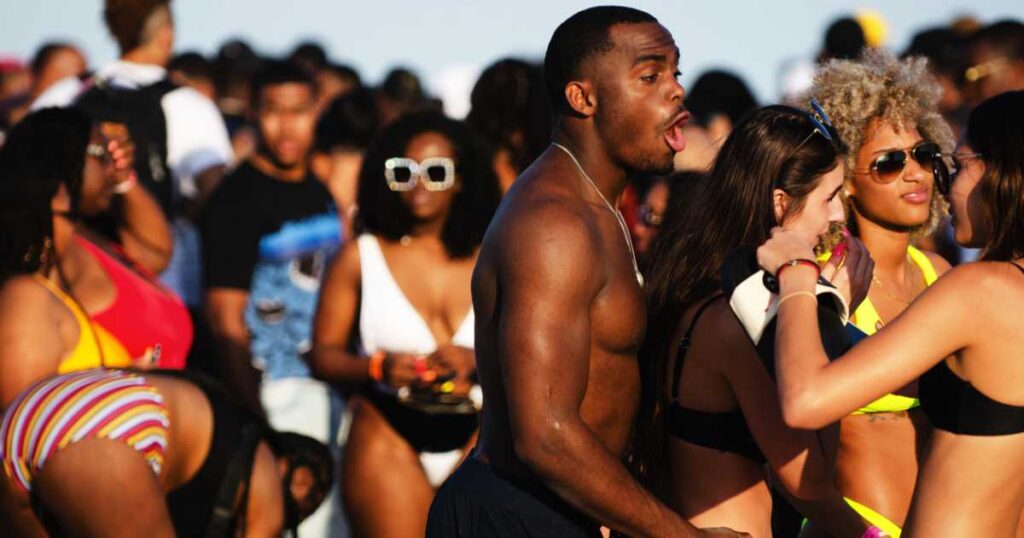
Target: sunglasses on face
436,173
960,162
888,166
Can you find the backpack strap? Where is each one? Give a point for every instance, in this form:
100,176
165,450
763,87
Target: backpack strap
223,515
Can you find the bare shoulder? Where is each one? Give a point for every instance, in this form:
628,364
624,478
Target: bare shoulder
545,221
21,297
732,344
347,261
977,284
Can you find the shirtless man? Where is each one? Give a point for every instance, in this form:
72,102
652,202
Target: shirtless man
560,311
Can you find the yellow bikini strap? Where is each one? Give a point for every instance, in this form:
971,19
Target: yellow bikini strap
922,261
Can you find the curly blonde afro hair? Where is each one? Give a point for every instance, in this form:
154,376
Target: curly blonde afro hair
880,86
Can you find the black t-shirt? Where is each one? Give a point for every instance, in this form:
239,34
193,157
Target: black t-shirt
247,208
273,239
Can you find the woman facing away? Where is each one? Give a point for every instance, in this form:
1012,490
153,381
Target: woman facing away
886,109
157,454
710,401
395,319
962,337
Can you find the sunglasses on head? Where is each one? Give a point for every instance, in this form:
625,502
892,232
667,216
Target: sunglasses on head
822,125
435,173
888,166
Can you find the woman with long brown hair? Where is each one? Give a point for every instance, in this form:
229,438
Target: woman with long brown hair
709,400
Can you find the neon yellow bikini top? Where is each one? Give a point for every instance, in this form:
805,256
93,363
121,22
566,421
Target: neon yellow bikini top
866,319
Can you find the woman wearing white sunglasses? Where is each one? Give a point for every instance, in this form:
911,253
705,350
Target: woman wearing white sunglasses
395,322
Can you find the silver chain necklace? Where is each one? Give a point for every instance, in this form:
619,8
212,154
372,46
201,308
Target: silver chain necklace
618,215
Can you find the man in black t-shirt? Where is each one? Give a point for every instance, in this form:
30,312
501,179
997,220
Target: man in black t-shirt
268,232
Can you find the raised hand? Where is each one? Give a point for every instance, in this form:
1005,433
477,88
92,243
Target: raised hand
783,246
850,270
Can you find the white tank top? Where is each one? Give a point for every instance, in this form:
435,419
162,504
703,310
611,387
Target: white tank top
387,320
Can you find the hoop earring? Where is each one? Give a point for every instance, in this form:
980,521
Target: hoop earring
44,254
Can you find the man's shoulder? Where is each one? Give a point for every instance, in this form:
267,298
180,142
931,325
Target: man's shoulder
238,187
547,212
545,228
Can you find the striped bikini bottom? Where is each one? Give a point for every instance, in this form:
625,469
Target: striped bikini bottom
91,404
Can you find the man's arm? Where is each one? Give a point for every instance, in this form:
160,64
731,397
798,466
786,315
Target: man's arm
206,182
198,146
230,234
549,282
226,308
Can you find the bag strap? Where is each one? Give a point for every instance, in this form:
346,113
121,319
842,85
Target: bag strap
237,473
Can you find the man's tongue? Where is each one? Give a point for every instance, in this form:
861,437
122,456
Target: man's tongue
675,139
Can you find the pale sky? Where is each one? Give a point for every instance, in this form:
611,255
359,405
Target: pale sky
449,42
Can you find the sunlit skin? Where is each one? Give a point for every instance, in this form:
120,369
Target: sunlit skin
962,320
722,372
437,287
37,329
877,454
560,314
79,483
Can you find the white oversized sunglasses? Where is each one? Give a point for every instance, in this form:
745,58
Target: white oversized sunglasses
435,173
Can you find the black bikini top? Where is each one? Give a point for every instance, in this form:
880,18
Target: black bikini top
726,431
954,405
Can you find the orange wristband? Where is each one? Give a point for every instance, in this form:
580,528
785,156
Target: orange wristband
377,366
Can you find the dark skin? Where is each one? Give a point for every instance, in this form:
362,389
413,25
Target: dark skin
436,286
560,315
37,329
81,483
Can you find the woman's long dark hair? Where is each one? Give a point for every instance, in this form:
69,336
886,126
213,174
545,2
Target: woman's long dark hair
996,131
44,151
382,212
769,149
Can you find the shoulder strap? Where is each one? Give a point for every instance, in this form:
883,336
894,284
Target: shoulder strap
1017,266
921,260
684,345
237,474
160,88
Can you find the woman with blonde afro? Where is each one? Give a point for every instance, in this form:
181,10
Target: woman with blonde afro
886,110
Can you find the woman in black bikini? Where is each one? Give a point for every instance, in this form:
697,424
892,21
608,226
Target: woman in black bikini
712,398
961,337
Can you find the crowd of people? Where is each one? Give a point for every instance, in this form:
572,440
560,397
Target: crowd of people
243,295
